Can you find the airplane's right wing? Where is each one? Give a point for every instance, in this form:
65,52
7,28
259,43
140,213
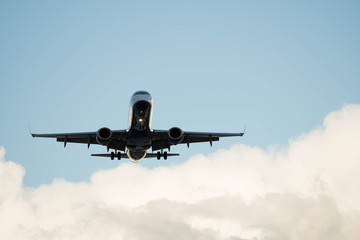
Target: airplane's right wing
118,140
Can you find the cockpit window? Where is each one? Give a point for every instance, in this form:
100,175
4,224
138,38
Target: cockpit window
142,92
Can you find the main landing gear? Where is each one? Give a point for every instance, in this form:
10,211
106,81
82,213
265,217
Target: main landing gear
162,154
117,154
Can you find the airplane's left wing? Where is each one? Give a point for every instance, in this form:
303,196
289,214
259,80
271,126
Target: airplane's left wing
160,138
118,139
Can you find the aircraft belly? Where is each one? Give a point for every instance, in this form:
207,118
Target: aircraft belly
138,142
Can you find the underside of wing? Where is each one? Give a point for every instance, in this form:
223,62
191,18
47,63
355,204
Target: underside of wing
196,137
162,140
116,141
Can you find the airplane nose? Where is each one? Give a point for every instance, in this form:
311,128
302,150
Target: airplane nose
141,114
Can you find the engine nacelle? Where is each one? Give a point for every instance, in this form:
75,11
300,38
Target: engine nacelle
103,135
176,135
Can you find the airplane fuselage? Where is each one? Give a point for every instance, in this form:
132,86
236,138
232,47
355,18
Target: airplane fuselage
139,138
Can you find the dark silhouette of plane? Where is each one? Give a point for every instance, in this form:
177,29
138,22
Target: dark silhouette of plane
139,137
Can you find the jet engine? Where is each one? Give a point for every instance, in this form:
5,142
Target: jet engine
103,135
176,135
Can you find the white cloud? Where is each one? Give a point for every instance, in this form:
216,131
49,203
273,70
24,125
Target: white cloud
307,190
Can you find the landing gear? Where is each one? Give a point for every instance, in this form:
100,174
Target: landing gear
161,154
117,154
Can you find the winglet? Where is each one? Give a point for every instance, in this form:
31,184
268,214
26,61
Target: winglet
33,135
242,134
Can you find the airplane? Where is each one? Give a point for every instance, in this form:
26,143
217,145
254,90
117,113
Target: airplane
135,141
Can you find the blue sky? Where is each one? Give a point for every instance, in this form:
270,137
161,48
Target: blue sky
277,66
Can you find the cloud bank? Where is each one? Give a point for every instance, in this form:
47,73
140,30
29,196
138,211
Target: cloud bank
306,190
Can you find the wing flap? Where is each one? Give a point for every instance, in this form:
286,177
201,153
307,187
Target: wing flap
88,140
198,139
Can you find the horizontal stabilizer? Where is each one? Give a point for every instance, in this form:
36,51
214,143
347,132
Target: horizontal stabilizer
123,155
154,155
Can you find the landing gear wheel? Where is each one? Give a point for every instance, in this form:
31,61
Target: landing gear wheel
119,155
112,155
158,155
165,155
